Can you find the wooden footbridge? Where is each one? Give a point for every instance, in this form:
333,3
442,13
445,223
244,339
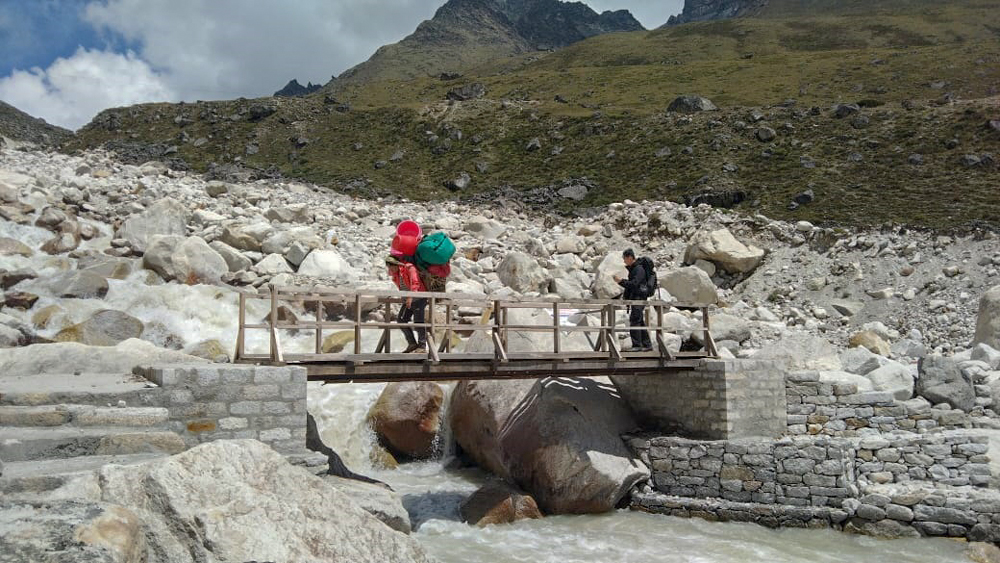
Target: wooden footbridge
573,346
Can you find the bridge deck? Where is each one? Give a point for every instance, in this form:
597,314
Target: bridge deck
438,362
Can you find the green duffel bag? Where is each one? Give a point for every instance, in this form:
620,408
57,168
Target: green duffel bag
435,249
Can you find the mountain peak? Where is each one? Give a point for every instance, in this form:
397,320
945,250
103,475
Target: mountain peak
293,89
466,33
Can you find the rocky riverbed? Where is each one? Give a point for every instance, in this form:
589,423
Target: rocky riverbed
105,265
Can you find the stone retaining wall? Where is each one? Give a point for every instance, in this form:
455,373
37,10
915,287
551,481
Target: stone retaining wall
790,471
892,485
946,458
838,409
970,514
223,401
719,399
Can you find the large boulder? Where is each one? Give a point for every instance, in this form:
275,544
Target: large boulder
407,419
559,439
242,501
105,328
689,285
165,217
564,446
893,377
801,352
605,286
77,284
691,104
235,260
722,249
328,264
483,228
188,260
941,380
522,273
988,323
498,503
376,499
61,357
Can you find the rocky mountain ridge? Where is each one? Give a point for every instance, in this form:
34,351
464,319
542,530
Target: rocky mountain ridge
465,33
707,10
19,126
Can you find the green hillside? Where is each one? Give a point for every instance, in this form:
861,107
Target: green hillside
926,75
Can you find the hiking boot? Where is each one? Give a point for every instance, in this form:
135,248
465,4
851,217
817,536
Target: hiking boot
418,347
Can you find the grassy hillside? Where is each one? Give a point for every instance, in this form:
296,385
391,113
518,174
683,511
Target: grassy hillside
927,76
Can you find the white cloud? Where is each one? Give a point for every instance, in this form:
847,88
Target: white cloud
72,90
211,49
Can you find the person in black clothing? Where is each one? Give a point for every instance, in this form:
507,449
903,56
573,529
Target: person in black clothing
637,313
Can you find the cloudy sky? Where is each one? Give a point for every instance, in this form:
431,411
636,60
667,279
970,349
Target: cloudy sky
66,60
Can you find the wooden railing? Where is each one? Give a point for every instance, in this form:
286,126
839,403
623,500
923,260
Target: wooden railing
493,317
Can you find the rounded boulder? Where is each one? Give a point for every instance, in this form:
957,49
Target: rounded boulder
407,418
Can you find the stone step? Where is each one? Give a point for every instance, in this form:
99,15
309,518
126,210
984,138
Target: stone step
82,415
30,443
24,479
86,389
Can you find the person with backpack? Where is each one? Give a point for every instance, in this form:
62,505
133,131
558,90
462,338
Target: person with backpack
640,285
406,278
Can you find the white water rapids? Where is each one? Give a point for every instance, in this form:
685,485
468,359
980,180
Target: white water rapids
432,494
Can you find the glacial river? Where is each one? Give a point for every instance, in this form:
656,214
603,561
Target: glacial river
432,495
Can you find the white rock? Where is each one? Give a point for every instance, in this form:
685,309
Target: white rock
571,245
988,323
60,357
248,503
522,273
689,285
328,264
165,217
802,352
235,260
272,265
863,383
483,228
893,377
604,286
722,248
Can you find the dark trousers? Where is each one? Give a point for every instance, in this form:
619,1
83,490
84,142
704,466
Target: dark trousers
415,312
637,318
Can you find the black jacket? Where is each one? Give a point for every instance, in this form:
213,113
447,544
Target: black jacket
636,278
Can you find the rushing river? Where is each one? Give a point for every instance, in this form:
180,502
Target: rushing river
432,495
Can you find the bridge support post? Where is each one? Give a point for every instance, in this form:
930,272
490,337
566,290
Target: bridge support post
718,400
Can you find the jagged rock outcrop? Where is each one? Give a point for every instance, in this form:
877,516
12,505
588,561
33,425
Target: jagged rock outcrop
463,32
705,10
294,90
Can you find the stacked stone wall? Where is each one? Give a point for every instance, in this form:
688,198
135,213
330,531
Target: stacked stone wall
219,402
838,409
891,485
